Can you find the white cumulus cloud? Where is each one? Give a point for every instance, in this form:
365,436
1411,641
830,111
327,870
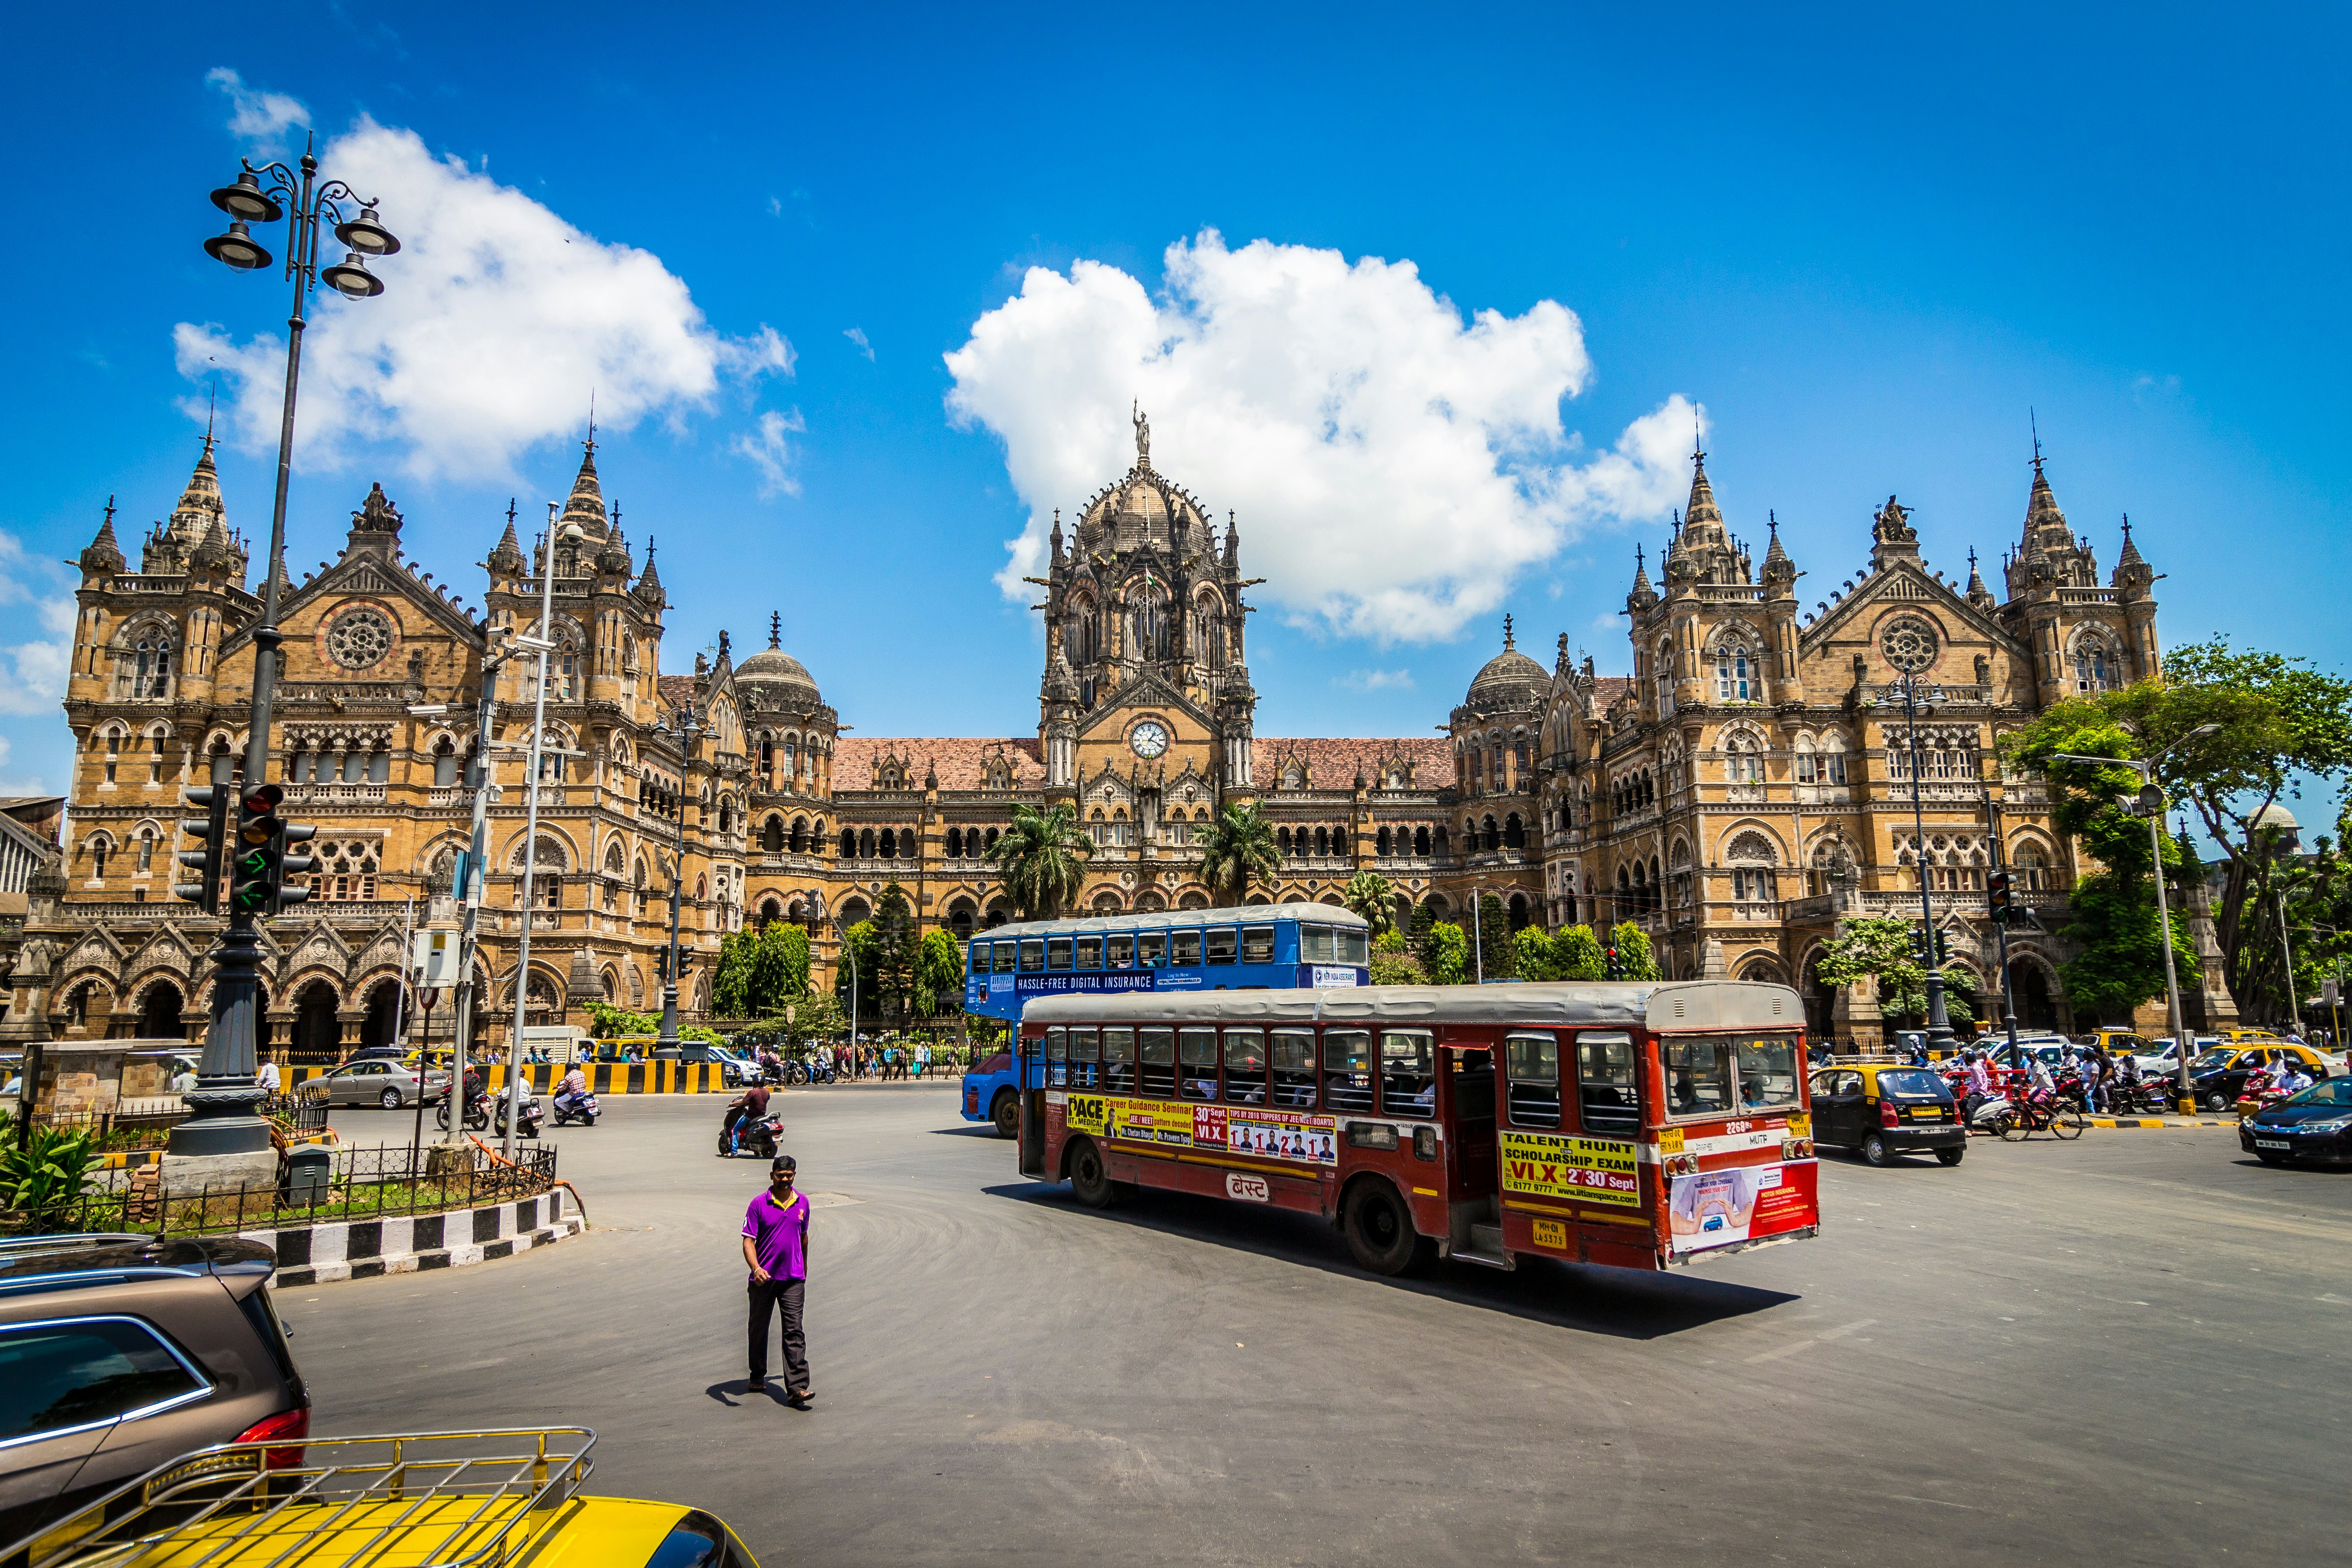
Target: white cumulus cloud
498,321
255,116
1375,680
33,595
771,452
1394,467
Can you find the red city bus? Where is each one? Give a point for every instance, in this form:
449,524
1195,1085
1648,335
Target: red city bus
1646,1125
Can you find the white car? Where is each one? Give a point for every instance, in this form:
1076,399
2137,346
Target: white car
376,1080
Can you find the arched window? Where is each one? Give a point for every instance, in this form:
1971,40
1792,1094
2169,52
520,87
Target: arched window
2032,871
1381,842
1493,835
771,837
2092,670
1734,673
444,764
1663,671
889,844
1514,834
1752,858
1421,840
1747,762
151,667
866,847
146,850
1437,838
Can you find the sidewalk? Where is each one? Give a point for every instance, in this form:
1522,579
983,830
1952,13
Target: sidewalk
2127,1122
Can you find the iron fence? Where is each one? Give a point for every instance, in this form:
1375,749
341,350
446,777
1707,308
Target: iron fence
129,1125
315,1184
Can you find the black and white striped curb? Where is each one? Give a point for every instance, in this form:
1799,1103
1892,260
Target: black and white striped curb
407,1244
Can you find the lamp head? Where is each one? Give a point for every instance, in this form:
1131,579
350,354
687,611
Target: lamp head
367,236
246,200
351,280
237,249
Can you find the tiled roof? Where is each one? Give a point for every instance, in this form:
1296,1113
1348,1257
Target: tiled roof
1332,761
676,691
960,759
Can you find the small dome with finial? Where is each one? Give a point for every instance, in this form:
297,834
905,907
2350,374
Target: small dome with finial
782,679
1509,679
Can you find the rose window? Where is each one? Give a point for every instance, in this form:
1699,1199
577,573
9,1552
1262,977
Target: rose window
360,639
1910,647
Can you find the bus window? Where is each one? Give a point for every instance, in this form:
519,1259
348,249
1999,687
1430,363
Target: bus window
1767,1072
1057,1058
1086,1060
1606,1099
1158,1049
1293,1060
1353,947
1348,1070
1007,952
1058,955
1532,1066
1119,1061
1151,950
1033,954
1257,944
979,958
1184,949
1118,953
1407,1073
1246,1066
1315,944
1089,952
1196,1054
1220,945
1698,1083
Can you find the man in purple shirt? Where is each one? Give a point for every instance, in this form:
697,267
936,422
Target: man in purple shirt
775,1246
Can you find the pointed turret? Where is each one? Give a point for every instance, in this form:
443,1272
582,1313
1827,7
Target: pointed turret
200,502
1055,539
649,588
586,504
1233,540
1779,572
1644,598
506,557
102,556
1979,594
1702,526
1061,682
2133,576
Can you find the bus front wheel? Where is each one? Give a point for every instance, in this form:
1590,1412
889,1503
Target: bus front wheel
1090,1181
1006,1113
1379,1231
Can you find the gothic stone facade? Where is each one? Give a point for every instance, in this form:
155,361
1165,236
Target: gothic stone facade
1743,791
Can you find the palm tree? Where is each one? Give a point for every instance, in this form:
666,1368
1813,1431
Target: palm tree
1238,845
1042,858
1372,896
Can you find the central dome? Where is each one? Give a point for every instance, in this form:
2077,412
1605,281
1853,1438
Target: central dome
776,671
1510,679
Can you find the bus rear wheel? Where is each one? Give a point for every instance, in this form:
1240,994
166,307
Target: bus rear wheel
1006,1113
1379,1228
1091,1181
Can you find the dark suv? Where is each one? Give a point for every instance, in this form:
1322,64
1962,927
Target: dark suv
120,1352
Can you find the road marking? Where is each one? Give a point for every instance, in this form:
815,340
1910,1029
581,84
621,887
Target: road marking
1807,1343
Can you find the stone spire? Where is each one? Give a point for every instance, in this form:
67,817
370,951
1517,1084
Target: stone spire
1644,597
102,556
506,558
1232,539
1061,682
776,629
1702,519
649,588
1509,644
2046,526
2133,575
200,503
1979,594
1055,539
586,504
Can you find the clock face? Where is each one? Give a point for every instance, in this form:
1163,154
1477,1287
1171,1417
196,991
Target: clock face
1148,738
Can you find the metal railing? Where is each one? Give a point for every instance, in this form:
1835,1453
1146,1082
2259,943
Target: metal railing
359,1184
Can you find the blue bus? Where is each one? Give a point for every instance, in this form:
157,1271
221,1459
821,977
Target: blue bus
1256,947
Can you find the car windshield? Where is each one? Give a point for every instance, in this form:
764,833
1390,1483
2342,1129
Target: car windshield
2214,1058
1911,1080
2327,1091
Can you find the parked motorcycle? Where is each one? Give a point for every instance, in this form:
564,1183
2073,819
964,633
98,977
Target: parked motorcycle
580,1108
756,1135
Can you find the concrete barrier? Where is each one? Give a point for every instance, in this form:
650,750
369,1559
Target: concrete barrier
603,1078
407,1243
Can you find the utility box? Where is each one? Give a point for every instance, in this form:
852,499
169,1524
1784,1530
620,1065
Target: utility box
309,1171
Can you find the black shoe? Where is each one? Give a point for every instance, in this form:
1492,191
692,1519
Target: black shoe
797,1398
757,1386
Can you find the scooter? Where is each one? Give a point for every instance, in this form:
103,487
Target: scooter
755,1135
486,1109
580,1108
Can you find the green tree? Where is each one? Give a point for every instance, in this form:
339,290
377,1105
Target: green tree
1393,962
1238,845
1040,858
1577,954
1881,950
1372,896
1492,953
779,967
2282,725
1634,959
2113,919
938,973
730,982
1534,955
861,945
1423,917
896,946
607,1022
1446,959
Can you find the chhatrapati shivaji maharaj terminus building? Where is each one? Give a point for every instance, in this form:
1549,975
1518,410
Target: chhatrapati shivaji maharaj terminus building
1742,791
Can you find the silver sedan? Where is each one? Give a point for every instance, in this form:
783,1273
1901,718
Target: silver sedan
377,1081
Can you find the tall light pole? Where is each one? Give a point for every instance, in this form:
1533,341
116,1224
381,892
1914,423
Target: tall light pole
1939,1023
685,727
544,643
2150,804
1994,831
2282,837
221,1119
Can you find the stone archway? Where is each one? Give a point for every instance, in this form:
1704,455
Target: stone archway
160,1012
318,1033
2038,994
380,1028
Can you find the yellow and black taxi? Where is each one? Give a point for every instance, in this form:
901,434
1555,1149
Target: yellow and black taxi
436,1499
1885,1107
2220,1075
2315,1124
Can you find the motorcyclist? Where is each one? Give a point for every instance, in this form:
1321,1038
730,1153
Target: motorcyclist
568,1092
752,1102
2038,1074
2288,1076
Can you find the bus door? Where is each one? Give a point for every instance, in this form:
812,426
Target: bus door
1474,1219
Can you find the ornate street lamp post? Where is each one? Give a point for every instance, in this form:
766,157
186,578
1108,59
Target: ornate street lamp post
1916,694
221,1119
685,727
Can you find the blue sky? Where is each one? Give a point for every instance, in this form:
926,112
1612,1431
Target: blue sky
1863,242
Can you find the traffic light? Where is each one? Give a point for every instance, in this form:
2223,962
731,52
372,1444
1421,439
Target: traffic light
1919,945
661,965
211,833
1939,947
1997,893
259,864
685,961
1616,965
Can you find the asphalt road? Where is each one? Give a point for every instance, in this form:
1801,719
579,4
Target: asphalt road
2128,1349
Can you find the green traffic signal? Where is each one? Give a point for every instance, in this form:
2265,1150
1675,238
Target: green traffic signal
210,832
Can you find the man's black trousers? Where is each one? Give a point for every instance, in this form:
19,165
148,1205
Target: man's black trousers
785,1294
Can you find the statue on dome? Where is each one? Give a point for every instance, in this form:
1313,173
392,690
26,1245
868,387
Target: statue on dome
1142,438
